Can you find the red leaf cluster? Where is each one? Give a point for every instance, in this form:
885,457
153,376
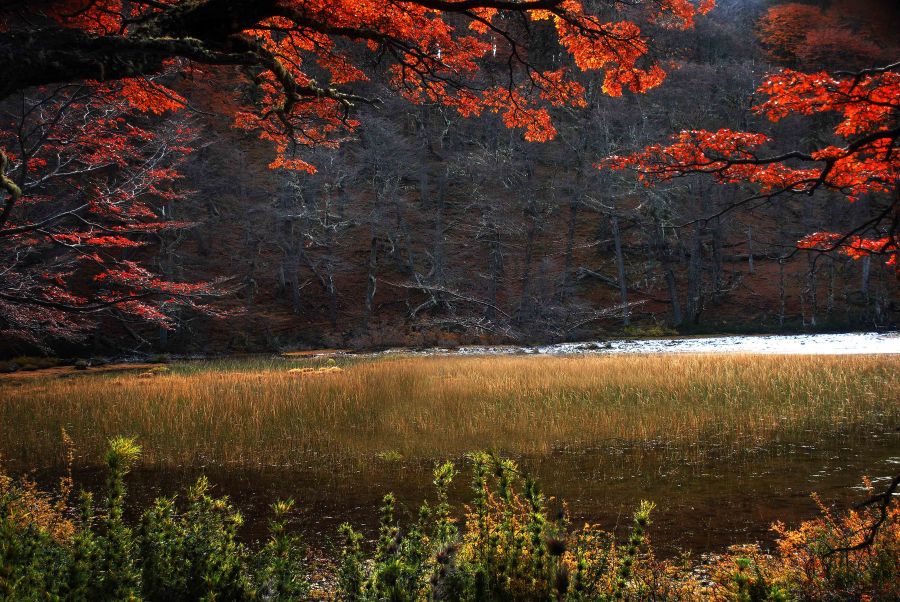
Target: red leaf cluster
867,163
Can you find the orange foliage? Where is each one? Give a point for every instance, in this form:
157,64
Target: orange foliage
807,563
434,60
804,560
25,505
810,35
867,103
149,96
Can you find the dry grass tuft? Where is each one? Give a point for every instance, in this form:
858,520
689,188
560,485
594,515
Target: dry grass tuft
316,371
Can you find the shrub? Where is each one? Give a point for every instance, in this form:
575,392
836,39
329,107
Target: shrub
512,544
824,558
649,331
189,553
510,548
30,363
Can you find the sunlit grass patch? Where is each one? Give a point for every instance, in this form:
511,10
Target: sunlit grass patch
277,411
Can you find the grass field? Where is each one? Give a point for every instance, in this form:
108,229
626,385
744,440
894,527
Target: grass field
259,412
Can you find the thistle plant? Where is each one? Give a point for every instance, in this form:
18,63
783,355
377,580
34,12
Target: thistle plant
120,577
279,569
351,575
635,541
86,552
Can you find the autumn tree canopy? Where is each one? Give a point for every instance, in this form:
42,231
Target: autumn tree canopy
87,70
842,35
90,155
861,160
303,55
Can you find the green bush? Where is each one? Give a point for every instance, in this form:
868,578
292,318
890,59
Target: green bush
513,543
176,554
509,549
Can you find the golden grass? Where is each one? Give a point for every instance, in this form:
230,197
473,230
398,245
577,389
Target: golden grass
260,413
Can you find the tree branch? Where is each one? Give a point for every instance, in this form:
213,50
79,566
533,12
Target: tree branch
883,500
14,193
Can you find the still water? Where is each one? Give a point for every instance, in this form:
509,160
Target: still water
705,502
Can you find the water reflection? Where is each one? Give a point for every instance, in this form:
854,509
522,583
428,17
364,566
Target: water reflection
704,501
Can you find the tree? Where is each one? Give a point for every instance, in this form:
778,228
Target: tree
303,54
302,61
863,161
812,36
86,189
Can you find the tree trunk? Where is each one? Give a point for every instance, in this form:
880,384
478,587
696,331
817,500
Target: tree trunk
524,311
439,277
812,289
781,292
677,318
408,259
371,281
620,267
288,272
168,261
496,271
829,308
695,275
866,273
750,250
663,254
566,285
718,269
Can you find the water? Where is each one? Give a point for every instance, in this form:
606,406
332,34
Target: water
704,502
707,498
851,343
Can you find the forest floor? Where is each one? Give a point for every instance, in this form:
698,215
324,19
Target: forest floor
727,443
66,371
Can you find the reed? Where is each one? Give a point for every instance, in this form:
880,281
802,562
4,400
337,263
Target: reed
255,413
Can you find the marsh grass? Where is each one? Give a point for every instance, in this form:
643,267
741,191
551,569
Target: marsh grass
257,412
